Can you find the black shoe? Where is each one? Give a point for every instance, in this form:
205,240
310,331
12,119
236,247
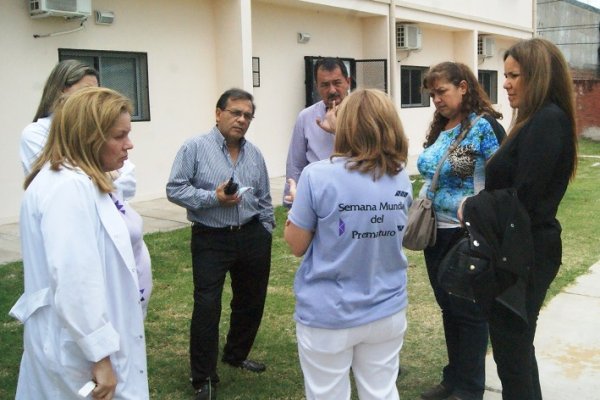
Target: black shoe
206,392
248,365
438,392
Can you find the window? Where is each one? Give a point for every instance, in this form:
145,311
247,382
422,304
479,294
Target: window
411,87
489,81
125,72
255,72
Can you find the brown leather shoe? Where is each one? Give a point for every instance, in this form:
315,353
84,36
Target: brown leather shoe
438,392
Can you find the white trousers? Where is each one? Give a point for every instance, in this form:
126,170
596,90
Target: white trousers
326,356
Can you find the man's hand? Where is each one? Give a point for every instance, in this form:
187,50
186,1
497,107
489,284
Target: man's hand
292,192
226,200
105,378
328,124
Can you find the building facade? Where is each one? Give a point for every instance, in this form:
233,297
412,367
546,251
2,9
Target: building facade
575,28
175,58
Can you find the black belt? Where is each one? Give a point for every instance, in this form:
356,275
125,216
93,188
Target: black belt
197,227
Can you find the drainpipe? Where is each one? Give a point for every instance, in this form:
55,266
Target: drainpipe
392,55
534,16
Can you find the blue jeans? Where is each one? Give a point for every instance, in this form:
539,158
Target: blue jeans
465,327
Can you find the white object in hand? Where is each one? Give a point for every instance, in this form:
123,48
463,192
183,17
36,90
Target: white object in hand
243,190
86,389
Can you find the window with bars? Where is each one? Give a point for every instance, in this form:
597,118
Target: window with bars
125,72
412,93
489,81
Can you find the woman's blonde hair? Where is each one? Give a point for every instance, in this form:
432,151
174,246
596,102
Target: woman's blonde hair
545,79
369,133
80,127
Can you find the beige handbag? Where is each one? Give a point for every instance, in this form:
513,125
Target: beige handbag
421,227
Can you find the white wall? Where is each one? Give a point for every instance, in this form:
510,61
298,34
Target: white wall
514,14
181,67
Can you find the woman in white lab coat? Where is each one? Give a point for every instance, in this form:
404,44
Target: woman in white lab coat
81,307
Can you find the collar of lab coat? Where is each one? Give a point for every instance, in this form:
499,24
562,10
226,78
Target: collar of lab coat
116,228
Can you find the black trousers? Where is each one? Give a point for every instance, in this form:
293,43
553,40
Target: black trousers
246,255
465,327
512,339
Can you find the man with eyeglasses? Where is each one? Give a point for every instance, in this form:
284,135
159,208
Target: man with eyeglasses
312,139
221,179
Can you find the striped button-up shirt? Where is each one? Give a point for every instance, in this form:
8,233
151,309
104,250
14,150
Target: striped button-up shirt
202,164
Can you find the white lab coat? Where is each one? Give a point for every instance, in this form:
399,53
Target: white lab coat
81,300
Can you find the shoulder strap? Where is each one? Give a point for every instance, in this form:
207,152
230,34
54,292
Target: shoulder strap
451,148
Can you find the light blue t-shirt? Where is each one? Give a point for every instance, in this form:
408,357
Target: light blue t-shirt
354,270
463,172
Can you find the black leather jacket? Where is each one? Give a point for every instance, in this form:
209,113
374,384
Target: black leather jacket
499,233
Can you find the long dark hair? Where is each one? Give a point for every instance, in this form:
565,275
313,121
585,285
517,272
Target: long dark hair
475,99
545,79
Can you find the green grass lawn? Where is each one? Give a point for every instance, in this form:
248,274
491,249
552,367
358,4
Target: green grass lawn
167,325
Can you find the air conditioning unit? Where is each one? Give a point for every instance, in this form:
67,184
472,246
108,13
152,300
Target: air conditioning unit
486,46
408,37
60,8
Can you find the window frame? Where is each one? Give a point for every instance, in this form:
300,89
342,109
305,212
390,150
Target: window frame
141,84
425,100
492,90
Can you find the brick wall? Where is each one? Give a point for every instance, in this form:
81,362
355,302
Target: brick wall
587,103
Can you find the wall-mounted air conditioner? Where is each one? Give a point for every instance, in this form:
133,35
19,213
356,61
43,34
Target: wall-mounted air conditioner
408,37
60,8
486,46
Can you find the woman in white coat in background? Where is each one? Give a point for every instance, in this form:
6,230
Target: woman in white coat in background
66,77
82,307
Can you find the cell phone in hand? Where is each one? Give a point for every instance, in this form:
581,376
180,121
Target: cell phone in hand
231,187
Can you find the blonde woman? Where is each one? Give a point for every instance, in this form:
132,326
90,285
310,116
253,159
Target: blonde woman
81,308
347,220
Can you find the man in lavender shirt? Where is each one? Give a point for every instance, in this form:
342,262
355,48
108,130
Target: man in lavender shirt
311,139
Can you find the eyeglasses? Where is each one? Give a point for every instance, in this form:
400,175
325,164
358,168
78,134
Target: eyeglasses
237,113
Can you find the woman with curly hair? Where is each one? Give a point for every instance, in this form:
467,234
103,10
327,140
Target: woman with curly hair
461,105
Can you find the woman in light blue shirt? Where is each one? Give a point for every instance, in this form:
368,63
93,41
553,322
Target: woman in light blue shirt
348,219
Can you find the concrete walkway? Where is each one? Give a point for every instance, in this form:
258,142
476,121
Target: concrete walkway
568,335
567,344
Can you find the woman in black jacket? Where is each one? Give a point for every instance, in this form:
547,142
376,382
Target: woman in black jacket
538,159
